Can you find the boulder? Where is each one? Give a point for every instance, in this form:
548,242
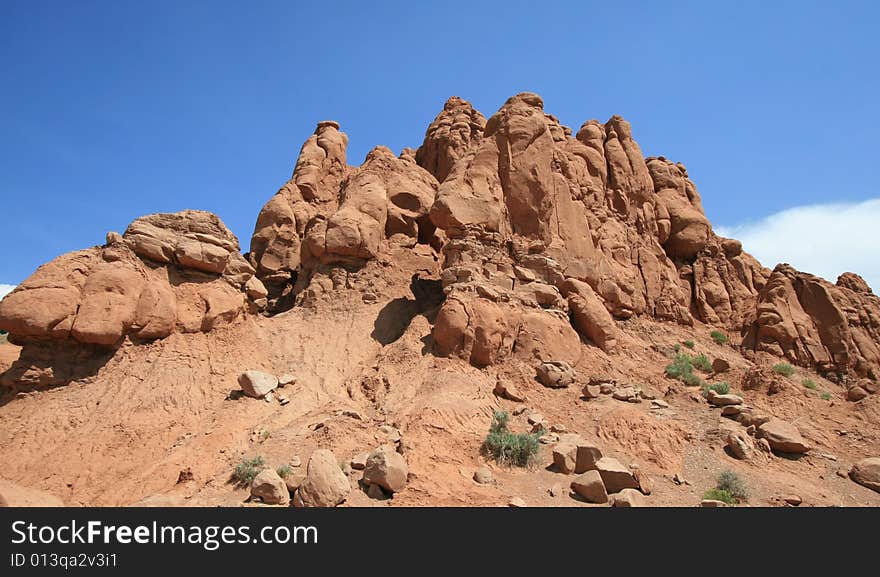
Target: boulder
483,476
628,498
257,384
556,374
589,485
359,461
740,444
615,475
782,436
588,455
856,393
724,400
565,457
719,365
867,473
325,484
269,487
387,468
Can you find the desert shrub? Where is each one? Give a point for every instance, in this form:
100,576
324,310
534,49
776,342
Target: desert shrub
677,347
719,337
284,471
680,366
702,362
825,396
730,482
783,369
719,495
247,469
810,384
510,448
689,344
720,388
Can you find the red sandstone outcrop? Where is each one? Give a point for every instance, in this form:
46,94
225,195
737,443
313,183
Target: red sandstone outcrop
539,231
179,272
811,322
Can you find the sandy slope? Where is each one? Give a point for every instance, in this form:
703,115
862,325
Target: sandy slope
156,409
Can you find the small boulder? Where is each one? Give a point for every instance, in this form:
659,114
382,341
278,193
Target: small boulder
867,473
625,393
740,444
359,461
720,366
590,486
783,436
509,391
257,384
646,485
325,484
856,393
628,498
483,476
286,379
724,400
270,488
591,391
556,374
387,468
565,457
517,503
588,455
615,475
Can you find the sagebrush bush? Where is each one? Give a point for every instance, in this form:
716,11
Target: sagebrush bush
508,448
693,380
689,344
702,362
783,369
719,337
730,482
810,384
682,368
719,495
284,471
721,388
247,469
825,396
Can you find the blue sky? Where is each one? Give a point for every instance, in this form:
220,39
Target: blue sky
114,109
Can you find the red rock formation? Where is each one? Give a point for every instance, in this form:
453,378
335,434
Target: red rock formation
811,322
539,232
168,272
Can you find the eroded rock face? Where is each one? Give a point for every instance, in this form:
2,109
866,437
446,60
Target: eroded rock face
331,214
614,233
178,272
811,322
453,133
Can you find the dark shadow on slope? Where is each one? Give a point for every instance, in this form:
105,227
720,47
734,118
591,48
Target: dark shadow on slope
395,317
42,366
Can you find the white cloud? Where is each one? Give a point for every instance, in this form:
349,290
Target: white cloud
822,239
5,289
